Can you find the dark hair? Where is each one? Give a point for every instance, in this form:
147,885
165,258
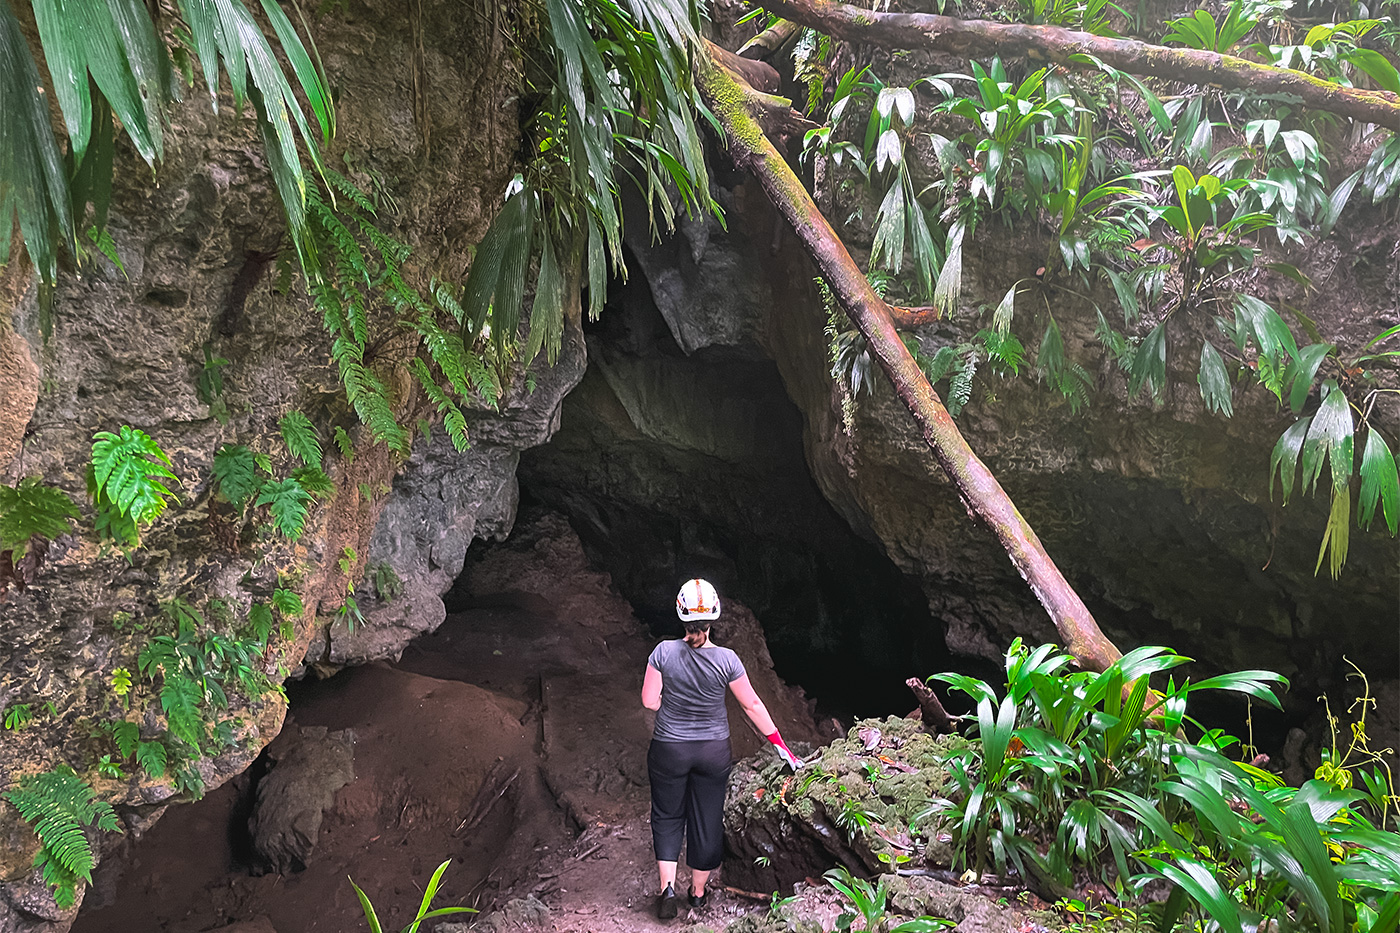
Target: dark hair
697,625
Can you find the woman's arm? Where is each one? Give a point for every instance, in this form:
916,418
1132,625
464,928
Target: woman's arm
651,689
753,707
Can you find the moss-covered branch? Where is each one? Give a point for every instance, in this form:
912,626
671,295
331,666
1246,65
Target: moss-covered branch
735,105
926,31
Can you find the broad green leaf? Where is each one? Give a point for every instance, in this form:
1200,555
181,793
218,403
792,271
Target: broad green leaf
1377,66
1300,373
1149,365
1214,381
1379,481
1330,438
1199,882
1253,683
1284,460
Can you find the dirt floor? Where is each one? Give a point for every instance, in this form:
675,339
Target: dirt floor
511,741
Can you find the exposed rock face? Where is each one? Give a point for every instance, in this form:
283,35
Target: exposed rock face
442,501
308,766
127,346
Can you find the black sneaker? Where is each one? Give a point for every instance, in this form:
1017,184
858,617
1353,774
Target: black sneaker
666,904
699,901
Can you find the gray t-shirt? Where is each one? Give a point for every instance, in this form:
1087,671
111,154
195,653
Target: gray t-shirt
693,681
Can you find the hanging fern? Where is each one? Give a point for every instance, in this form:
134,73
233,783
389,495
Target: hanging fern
300,437
960,386
126,480
60,806
32,510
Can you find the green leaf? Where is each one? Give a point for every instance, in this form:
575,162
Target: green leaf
1300,834
1253,683
1300,374
287,602
344,444
370,916
1149,365
126,473
1198,881
1377,66
287,502
301,439
1379,481
236,474
151,757
1330,437
1214,381
34,186
32,510
180,699
1284,460
314,481
60,805
260,621
126,735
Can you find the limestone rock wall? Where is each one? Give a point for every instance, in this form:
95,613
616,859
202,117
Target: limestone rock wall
127,346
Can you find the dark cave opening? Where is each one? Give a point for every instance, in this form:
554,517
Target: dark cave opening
671,466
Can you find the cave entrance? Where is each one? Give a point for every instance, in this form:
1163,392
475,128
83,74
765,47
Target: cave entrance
671,466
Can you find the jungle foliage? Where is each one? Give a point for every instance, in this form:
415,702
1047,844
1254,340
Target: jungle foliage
1167,210
1093,772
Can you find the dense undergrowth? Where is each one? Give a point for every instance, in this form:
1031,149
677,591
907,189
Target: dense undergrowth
1104,798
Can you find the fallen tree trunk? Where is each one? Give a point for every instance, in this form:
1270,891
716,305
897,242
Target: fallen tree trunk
735,105
971,38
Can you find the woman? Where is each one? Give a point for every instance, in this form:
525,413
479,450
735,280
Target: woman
688,761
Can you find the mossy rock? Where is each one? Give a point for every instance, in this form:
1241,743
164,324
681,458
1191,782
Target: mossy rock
866,795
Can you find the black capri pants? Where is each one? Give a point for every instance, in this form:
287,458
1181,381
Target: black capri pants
688,781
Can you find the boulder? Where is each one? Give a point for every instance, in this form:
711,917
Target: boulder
309,765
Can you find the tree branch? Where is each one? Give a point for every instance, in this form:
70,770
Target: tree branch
971,38
751,150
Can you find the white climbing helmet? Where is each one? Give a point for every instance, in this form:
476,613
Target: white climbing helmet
697,601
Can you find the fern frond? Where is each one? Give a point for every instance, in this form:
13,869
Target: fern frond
126,735
300,436
314,481
960,386
287,602
287,501
151,757
447,352
60,806
180,698
260,621
235,474
32,510
128,469
344,444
